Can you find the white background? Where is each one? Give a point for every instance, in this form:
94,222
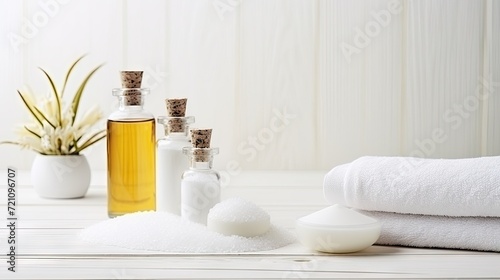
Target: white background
352,85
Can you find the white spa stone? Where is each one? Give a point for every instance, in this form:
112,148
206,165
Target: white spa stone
237,216
337,229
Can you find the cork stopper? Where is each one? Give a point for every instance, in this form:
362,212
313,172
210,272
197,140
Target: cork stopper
130,80
176,110
176,125
176,107
200,139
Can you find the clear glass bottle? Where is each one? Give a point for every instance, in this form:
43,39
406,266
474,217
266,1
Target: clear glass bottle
171,162
131,148
200,186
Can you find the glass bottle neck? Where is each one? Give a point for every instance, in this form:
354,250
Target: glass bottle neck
130,98
183,135
123,105
176,136
200,158
201,165
176,128
130,105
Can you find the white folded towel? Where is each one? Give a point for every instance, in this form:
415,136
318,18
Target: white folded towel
470,233
448,187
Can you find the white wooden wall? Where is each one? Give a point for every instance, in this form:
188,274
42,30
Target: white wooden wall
244,63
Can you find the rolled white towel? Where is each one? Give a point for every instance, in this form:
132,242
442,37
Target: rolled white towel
472,233
448,187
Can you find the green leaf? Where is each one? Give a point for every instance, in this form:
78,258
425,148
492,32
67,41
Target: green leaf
29,106
58,98
92,140
10,142
44,117
69,73
78,95
32,132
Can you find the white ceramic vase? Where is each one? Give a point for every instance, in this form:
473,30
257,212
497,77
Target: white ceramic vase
60,176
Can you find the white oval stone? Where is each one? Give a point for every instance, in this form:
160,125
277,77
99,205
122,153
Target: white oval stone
337,229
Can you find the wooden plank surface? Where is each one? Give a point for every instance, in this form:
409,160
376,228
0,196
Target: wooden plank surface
49,248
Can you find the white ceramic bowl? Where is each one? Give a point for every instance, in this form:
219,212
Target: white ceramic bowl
337,229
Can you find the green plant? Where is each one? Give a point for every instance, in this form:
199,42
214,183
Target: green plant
56,128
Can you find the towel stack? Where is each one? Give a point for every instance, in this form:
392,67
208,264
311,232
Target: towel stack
440,203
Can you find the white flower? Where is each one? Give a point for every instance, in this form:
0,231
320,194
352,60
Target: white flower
45,141
54,130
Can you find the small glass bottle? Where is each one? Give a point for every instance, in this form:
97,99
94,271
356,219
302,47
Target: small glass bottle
131,150
170,160
200,186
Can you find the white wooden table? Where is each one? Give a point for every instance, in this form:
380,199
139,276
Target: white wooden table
48,247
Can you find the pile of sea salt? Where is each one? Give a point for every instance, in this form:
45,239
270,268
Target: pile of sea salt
165,232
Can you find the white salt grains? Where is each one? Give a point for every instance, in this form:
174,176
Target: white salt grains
237,209
161,231
237,216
